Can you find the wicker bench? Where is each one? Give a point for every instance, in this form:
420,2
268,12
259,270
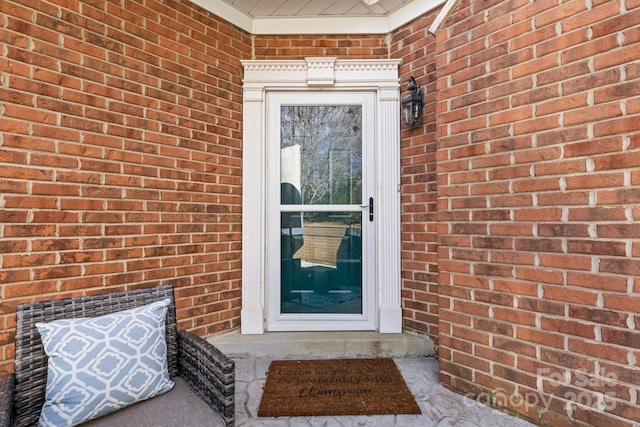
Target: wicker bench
206,371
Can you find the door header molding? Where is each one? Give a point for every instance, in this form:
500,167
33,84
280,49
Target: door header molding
321,71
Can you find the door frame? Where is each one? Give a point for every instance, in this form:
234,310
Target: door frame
324,73
276,320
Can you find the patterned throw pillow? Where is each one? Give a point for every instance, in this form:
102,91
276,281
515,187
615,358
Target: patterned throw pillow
98,365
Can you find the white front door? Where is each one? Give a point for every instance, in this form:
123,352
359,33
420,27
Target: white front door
321,211
373,87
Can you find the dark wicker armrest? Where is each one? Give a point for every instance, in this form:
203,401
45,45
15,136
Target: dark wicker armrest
209,372
6,399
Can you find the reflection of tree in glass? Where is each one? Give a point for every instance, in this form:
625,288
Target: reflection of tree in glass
331,151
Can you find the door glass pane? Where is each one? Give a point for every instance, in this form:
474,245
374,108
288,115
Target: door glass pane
321,249
321,255
321,155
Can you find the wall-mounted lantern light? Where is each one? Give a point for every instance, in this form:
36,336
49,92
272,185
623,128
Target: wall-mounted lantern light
412,105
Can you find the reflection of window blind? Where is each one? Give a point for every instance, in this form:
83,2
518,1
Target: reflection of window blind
321,243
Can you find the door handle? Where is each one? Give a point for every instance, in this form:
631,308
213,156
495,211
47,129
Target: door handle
370,206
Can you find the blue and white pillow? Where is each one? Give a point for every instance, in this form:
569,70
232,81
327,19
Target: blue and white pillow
98,365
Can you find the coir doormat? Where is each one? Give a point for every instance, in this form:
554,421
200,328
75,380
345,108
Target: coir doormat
335,387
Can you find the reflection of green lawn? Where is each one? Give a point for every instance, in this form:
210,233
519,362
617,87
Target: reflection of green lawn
348,303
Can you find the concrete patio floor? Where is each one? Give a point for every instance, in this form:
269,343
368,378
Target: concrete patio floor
440,407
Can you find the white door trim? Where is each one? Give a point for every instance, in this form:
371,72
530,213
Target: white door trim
260,77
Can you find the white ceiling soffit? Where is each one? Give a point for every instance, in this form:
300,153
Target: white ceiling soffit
287,17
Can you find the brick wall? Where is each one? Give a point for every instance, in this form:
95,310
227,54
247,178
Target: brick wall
416,48
538,131
341,46
120,144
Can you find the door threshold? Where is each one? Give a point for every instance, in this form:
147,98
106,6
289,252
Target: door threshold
292,345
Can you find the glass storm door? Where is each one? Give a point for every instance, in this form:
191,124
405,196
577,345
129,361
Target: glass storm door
321,211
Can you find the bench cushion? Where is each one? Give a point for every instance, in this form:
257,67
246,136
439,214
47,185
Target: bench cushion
180,407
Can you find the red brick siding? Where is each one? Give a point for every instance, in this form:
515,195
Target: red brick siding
121,147
416,48
538,193
294,47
